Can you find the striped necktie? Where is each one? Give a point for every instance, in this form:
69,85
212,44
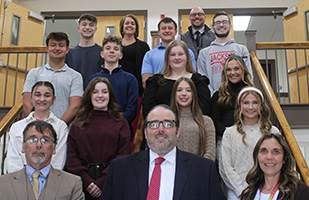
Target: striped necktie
35,184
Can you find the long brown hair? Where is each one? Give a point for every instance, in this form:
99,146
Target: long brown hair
85,112
167,70
225,93
195,109
263,113
288,179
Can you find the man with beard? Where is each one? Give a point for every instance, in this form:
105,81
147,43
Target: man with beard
85,56
38,179
162,172
211,59
199,34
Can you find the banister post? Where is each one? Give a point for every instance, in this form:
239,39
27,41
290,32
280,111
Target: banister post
251,40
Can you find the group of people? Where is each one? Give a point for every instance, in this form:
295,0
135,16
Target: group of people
200,107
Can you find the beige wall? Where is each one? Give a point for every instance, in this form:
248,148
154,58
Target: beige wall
154,8
31,34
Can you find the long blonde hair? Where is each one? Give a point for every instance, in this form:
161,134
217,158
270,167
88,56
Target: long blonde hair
195,109
263,112
225,93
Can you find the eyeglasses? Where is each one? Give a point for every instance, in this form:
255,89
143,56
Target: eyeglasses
165,123
224,22
198,14
44,140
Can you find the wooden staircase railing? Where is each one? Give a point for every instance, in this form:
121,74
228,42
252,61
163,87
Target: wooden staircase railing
301,163
9,118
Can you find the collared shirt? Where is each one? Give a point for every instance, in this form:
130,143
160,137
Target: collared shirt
153,61
66,81
16,160
42,178
201,31
168,171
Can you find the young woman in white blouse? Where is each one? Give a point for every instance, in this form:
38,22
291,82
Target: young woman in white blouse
251,122
42,98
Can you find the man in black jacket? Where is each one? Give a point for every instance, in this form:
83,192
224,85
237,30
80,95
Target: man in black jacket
199,34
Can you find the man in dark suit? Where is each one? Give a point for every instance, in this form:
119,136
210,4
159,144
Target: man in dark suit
40,141
183,176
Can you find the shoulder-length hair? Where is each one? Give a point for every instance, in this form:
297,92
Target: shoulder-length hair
195,109
265,123
123,19
85,112
167,71
225,93
288,179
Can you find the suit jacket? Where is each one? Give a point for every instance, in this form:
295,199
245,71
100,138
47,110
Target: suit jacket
60,185
195,178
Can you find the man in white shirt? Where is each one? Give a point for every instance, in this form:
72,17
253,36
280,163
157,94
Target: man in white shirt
182,175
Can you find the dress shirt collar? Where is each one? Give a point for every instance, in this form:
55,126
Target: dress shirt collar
169,157
44,171
63,69
161,46
51,118
201,30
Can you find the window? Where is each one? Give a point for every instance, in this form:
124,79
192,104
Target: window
15,30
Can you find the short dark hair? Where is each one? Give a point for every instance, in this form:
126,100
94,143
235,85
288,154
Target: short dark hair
167,20
218,14
58,36
89,17
41,126
112,38
122,23
165,107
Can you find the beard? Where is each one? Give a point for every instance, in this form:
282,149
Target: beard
198,27
223,35
38,159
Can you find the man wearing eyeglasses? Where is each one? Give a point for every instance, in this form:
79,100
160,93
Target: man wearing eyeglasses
211,59
163,172
39,180
199,35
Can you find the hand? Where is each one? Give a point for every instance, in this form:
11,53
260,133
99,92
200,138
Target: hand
94,190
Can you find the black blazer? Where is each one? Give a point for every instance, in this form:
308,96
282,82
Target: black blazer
196,178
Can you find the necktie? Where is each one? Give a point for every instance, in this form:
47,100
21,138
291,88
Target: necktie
35,184
154,187
197,40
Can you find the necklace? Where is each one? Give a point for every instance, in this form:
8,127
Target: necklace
252,128
273,192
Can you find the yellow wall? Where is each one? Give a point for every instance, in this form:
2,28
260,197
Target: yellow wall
186,23
30,34
295,31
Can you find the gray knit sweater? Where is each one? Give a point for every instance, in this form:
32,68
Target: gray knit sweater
189,136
